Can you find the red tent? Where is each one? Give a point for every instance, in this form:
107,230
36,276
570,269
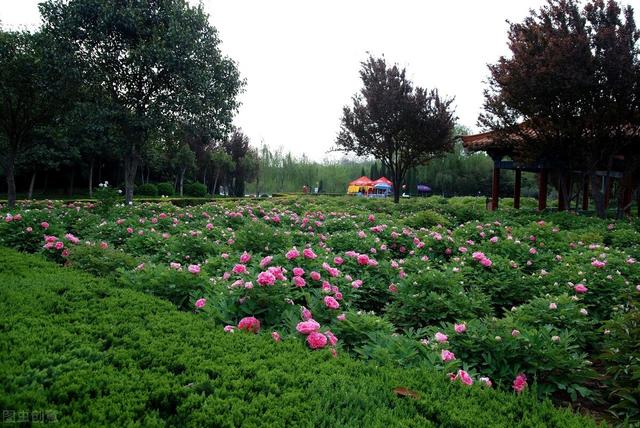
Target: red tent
382,180
362,182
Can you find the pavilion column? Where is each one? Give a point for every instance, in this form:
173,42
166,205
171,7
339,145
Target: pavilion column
607,191
542,190
516,189
495,188
585,194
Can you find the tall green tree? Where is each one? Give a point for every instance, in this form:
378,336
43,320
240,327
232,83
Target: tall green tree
401,125
36,85
158,60
570,90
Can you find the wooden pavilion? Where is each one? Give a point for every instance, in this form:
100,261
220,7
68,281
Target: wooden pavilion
499,150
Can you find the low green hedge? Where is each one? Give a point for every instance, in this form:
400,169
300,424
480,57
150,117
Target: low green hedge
102,356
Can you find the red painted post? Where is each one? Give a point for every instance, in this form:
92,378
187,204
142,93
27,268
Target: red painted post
516,189
495,188
561,195
542,190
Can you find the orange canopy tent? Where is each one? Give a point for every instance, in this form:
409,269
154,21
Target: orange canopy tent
382,180
362,183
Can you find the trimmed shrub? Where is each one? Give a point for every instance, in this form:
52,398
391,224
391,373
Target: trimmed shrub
196,189
147,189
166,189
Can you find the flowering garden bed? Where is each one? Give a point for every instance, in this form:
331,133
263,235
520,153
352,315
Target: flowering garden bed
77,351
525,303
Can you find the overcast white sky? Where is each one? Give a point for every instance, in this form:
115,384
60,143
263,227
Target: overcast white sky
301,58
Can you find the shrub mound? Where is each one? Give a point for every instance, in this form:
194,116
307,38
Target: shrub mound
98,355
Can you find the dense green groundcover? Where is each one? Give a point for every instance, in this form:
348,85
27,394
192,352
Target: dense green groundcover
100,355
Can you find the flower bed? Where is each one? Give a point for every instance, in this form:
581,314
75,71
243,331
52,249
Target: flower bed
510,300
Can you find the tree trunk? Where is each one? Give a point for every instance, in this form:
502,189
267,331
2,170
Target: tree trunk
71,179
215,182
130,169
182,181
45,186
204,177
11,179
91,178
596,195
31,185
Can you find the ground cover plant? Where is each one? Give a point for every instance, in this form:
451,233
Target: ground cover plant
78,351
518,301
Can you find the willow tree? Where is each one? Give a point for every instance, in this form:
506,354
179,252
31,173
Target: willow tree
158,60
400,125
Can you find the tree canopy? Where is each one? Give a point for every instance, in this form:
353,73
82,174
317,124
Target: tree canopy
570,90
401,125
158,61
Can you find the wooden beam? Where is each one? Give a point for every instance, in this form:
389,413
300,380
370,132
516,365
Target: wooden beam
495,188
542,190
516,189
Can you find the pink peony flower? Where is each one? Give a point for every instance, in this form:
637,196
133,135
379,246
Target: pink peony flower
363,259
315,276
338,260
515,333
598,264
292,254
341,317
441,337
239,269
251,324
477,256
460,328
580,288
194,269
332,338
276,336
266,278
297,271
393,288
486,381
200,303
307,327
229,329
308,253
265,261
316,340
520,383
245,258
44,225
331,303
29,229
299,281
464,377
59,245
305,313
104,245
486,262
447,355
